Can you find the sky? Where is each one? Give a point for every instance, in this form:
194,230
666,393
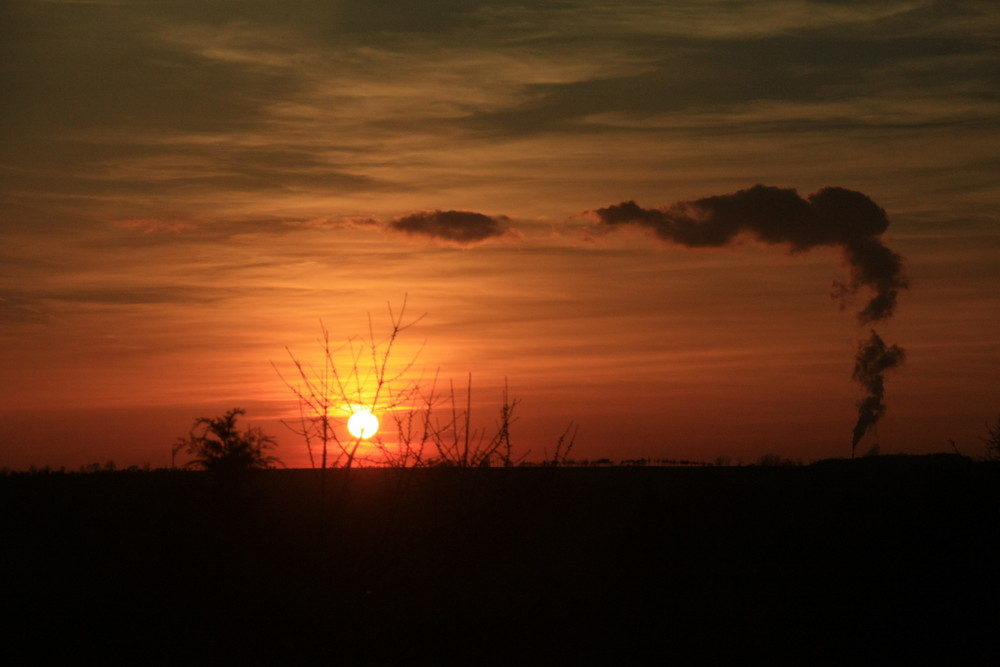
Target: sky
660,222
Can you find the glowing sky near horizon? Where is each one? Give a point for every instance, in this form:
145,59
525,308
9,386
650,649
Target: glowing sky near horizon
188,189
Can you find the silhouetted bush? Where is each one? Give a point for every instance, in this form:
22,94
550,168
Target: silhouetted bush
221,449
774,460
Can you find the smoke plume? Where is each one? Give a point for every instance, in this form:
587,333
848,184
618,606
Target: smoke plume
779,216
832,216
873,360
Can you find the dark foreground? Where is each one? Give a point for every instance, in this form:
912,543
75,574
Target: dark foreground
880,561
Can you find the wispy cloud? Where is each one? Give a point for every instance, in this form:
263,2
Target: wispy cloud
334,111
712,19
15,310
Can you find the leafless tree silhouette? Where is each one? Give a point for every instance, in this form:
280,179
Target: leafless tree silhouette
992,440
432,428
329,393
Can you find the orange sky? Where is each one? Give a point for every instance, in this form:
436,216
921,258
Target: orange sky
188,190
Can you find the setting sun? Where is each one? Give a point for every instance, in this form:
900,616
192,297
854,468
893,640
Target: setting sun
686,291
362,424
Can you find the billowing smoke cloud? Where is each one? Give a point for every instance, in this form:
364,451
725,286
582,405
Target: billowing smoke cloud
462,228
830,217
873,360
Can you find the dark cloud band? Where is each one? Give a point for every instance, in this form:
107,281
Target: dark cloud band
456,227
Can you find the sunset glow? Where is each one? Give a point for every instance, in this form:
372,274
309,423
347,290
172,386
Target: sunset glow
362,424
633,214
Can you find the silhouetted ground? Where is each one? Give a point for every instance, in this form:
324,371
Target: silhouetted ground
889,560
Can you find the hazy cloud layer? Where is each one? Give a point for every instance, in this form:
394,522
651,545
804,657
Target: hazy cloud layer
463,228
830,217
308,109
16,310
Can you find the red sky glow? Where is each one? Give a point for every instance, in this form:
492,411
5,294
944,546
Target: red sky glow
190,191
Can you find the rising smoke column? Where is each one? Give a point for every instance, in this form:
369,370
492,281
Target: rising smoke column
832,216
873,360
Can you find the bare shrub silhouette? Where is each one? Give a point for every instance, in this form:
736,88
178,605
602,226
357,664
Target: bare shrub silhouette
428,440
431,427
564,445
775,460
218,446
992,440
425,439
329,393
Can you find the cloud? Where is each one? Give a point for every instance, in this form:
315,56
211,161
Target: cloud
462,228
15,311
779,216
157,226
346,222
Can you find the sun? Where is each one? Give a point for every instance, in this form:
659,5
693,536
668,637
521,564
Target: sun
362,424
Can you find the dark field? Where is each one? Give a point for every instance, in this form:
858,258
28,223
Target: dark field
888,560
